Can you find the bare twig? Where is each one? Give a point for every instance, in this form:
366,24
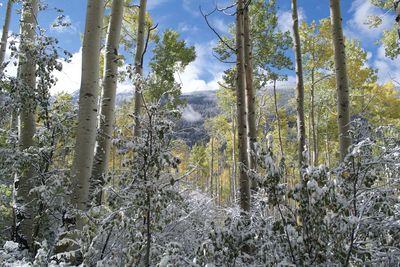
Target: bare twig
147,42
205,16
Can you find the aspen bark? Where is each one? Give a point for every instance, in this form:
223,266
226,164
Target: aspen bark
24,203
313,126
241,110
342,87
139,65
250,93
86,131
301,132
234,168
107,109
4,35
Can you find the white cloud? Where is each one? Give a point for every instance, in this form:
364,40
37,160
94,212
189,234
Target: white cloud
11,69
155,3
190,115
188,6
388,70
285,22
290,83
69,79
71,28
192,79
357,28
184,27
220,25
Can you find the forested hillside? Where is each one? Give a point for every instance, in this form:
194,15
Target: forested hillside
199,133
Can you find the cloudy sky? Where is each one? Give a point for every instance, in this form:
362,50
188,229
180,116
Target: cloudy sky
184,17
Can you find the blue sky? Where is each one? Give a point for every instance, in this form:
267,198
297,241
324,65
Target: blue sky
184,17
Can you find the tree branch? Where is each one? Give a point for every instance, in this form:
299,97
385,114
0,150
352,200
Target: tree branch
205,16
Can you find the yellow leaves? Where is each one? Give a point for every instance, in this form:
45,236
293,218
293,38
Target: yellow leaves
382,103
345,174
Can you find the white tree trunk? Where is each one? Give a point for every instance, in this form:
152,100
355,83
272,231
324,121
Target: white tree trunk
234,168
86,131
313,125
250,92
107,112
24,203
301,132
342,87
241,110
139,64
4,36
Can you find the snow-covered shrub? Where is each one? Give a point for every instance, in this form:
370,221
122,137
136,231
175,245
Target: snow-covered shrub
348,215
144,211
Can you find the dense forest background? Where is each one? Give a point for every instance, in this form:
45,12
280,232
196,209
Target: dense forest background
266,170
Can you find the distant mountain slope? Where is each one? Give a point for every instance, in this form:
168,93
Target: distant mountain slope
200,106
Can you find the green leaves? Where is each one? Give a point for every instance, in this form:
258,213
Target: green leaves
170,55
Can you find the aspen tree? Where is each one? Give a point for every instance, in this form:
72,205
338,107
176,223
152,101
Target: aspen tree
241,110
342,87
24,202
4,36
86,130
250,93
301,132
107,109
139,64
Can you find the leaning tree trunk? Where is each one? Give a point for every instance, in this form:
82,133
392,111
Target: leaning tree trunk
301,132
241,110
4,36
342,87
86,131
24,202
139,65
107,111
250,93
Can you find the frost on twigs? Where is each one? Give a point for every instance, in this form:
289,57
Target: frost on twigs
347,215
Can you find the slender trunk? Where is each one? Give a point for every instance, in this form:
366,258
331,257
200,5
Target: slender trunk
328,151
309,143
218,182
107,110
278,121
250,92
317,121
139,65
24,202
301,133
212,167
241,110
86,131
220,189
148,233
14,121
342,87
4,36
234,168
314,130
